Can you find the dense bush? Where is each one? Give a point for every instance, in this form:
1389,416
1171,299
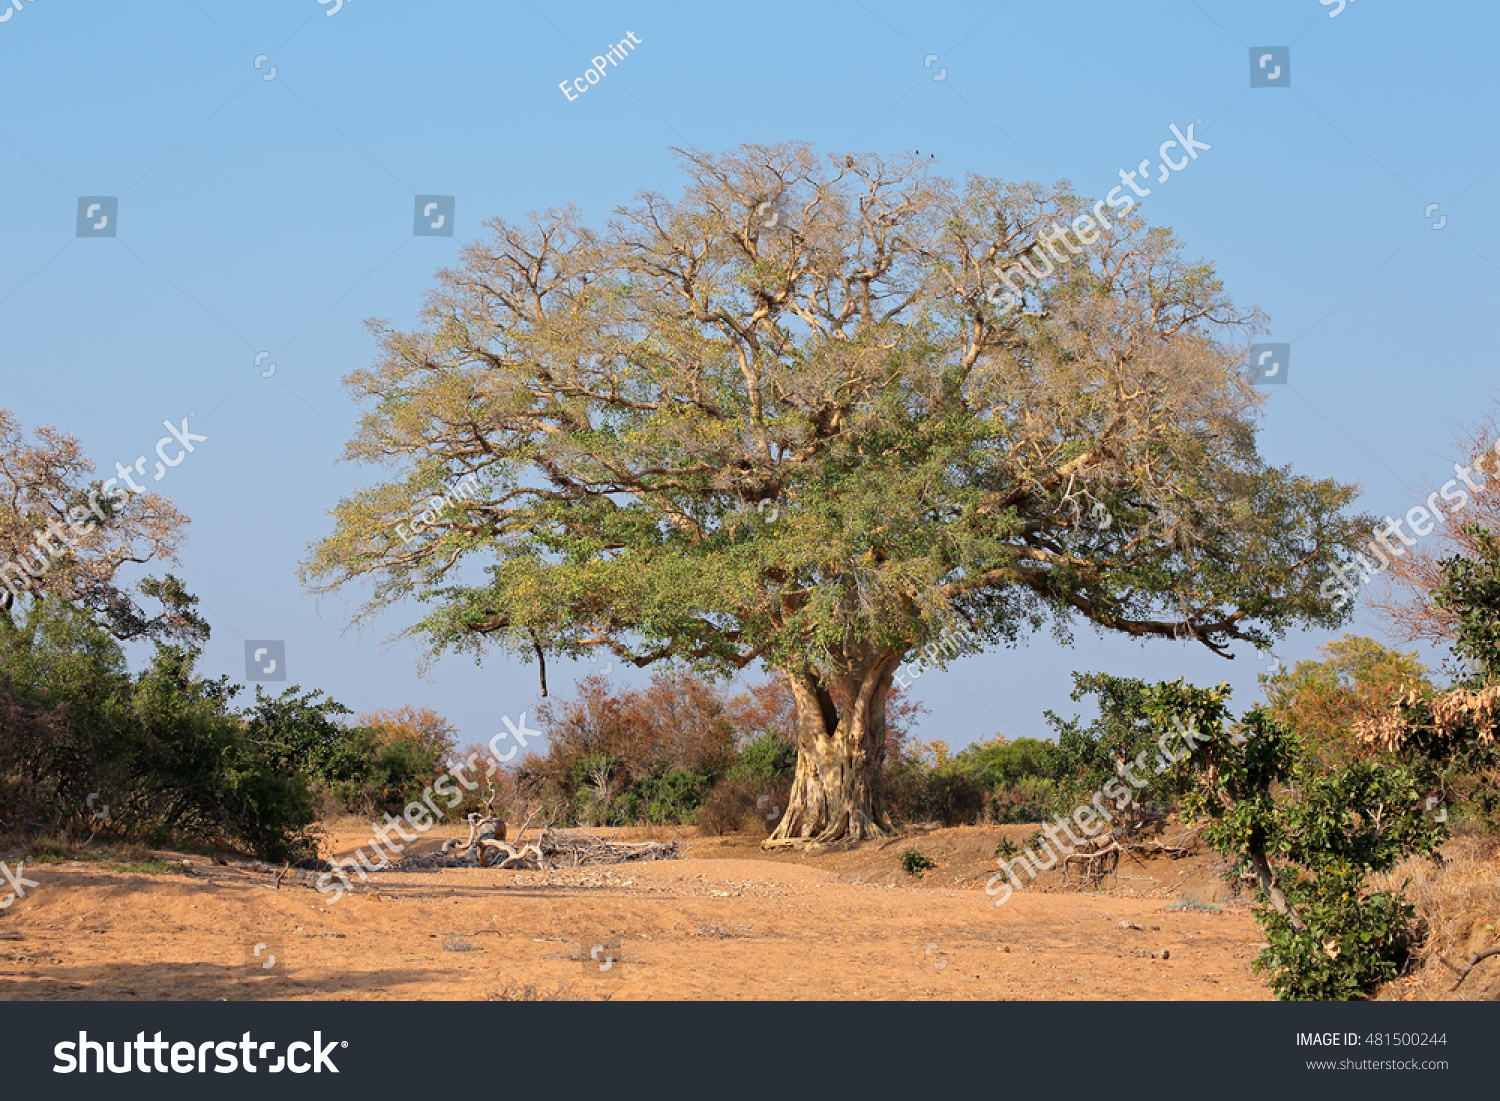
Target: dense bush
767,757
743,804
1312,834
1353,939
947,794
162,749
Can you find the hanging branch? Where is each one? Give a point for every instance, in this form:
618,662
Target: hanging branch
541,660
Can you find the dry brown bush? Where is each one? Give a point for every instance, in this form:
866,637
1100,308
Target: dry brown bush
1458,902
743,805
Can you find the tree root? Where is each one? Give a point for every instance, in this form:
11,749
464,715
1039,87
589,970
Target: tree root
1464,973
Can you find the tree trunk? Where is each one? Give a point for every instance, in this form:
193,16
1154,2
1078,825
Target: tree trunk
837,792
1267,880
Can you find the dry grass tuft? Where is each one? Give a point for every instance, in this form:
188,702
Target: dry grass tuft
1459,904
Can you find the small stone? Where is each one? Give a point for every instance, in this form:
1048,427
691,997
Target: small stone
1166,953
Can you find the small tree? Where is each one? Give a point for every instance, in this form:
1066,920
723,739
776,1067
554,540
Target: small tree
1323,700
64,536
1311,835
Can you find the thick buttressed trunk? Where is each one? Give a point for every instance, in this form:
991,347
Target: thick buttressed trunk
837,792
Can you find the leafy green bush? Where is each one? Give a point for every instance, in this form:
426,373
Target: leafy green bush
915,862
674,796
767,758
1352,941
162,749
1311,832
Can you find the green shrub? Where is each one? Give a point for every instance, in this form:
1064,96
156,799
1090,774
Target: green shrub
767,758
1352,942
1314,831
915,862
162,749
674,796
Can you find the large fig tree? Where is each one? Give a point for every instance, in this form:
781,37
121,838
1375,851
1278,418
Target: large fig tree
785,417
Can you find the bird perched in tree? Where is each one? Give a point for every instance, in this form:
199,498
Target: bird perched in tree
848,161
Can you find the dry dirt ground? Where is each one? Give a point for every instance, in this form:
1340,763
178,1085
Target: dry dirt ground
726,922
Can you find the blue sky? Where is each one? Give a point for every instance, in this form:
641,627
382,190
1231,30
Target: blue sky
276,215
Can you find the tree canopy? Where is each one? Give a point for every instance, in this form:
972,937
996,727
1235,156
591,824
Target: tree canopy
780,418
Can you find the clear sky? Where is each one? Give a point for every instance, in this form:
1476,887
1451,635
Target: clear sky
266,156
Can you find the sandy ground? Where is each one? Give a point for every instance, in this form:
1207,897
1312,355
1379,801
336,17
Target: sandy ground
727,922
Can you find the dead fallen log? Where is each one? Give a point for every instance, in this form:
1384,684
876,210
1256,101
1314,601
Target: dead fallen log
551,849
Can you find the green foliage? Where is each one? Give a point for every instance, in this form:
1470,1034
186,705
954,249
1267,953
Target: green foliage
162,749
1019,776
1318,830
300,732
915,862
1471,588
1007,849
1004,762
767,758
674,796
1352,942
1087,758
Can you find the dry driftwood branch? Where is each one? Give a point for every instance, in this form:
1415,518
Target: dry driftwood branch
1464,973
1098,861
551,849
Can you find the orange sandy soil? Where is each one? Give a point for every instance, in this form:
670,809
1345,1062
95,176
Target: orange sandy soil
726,922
